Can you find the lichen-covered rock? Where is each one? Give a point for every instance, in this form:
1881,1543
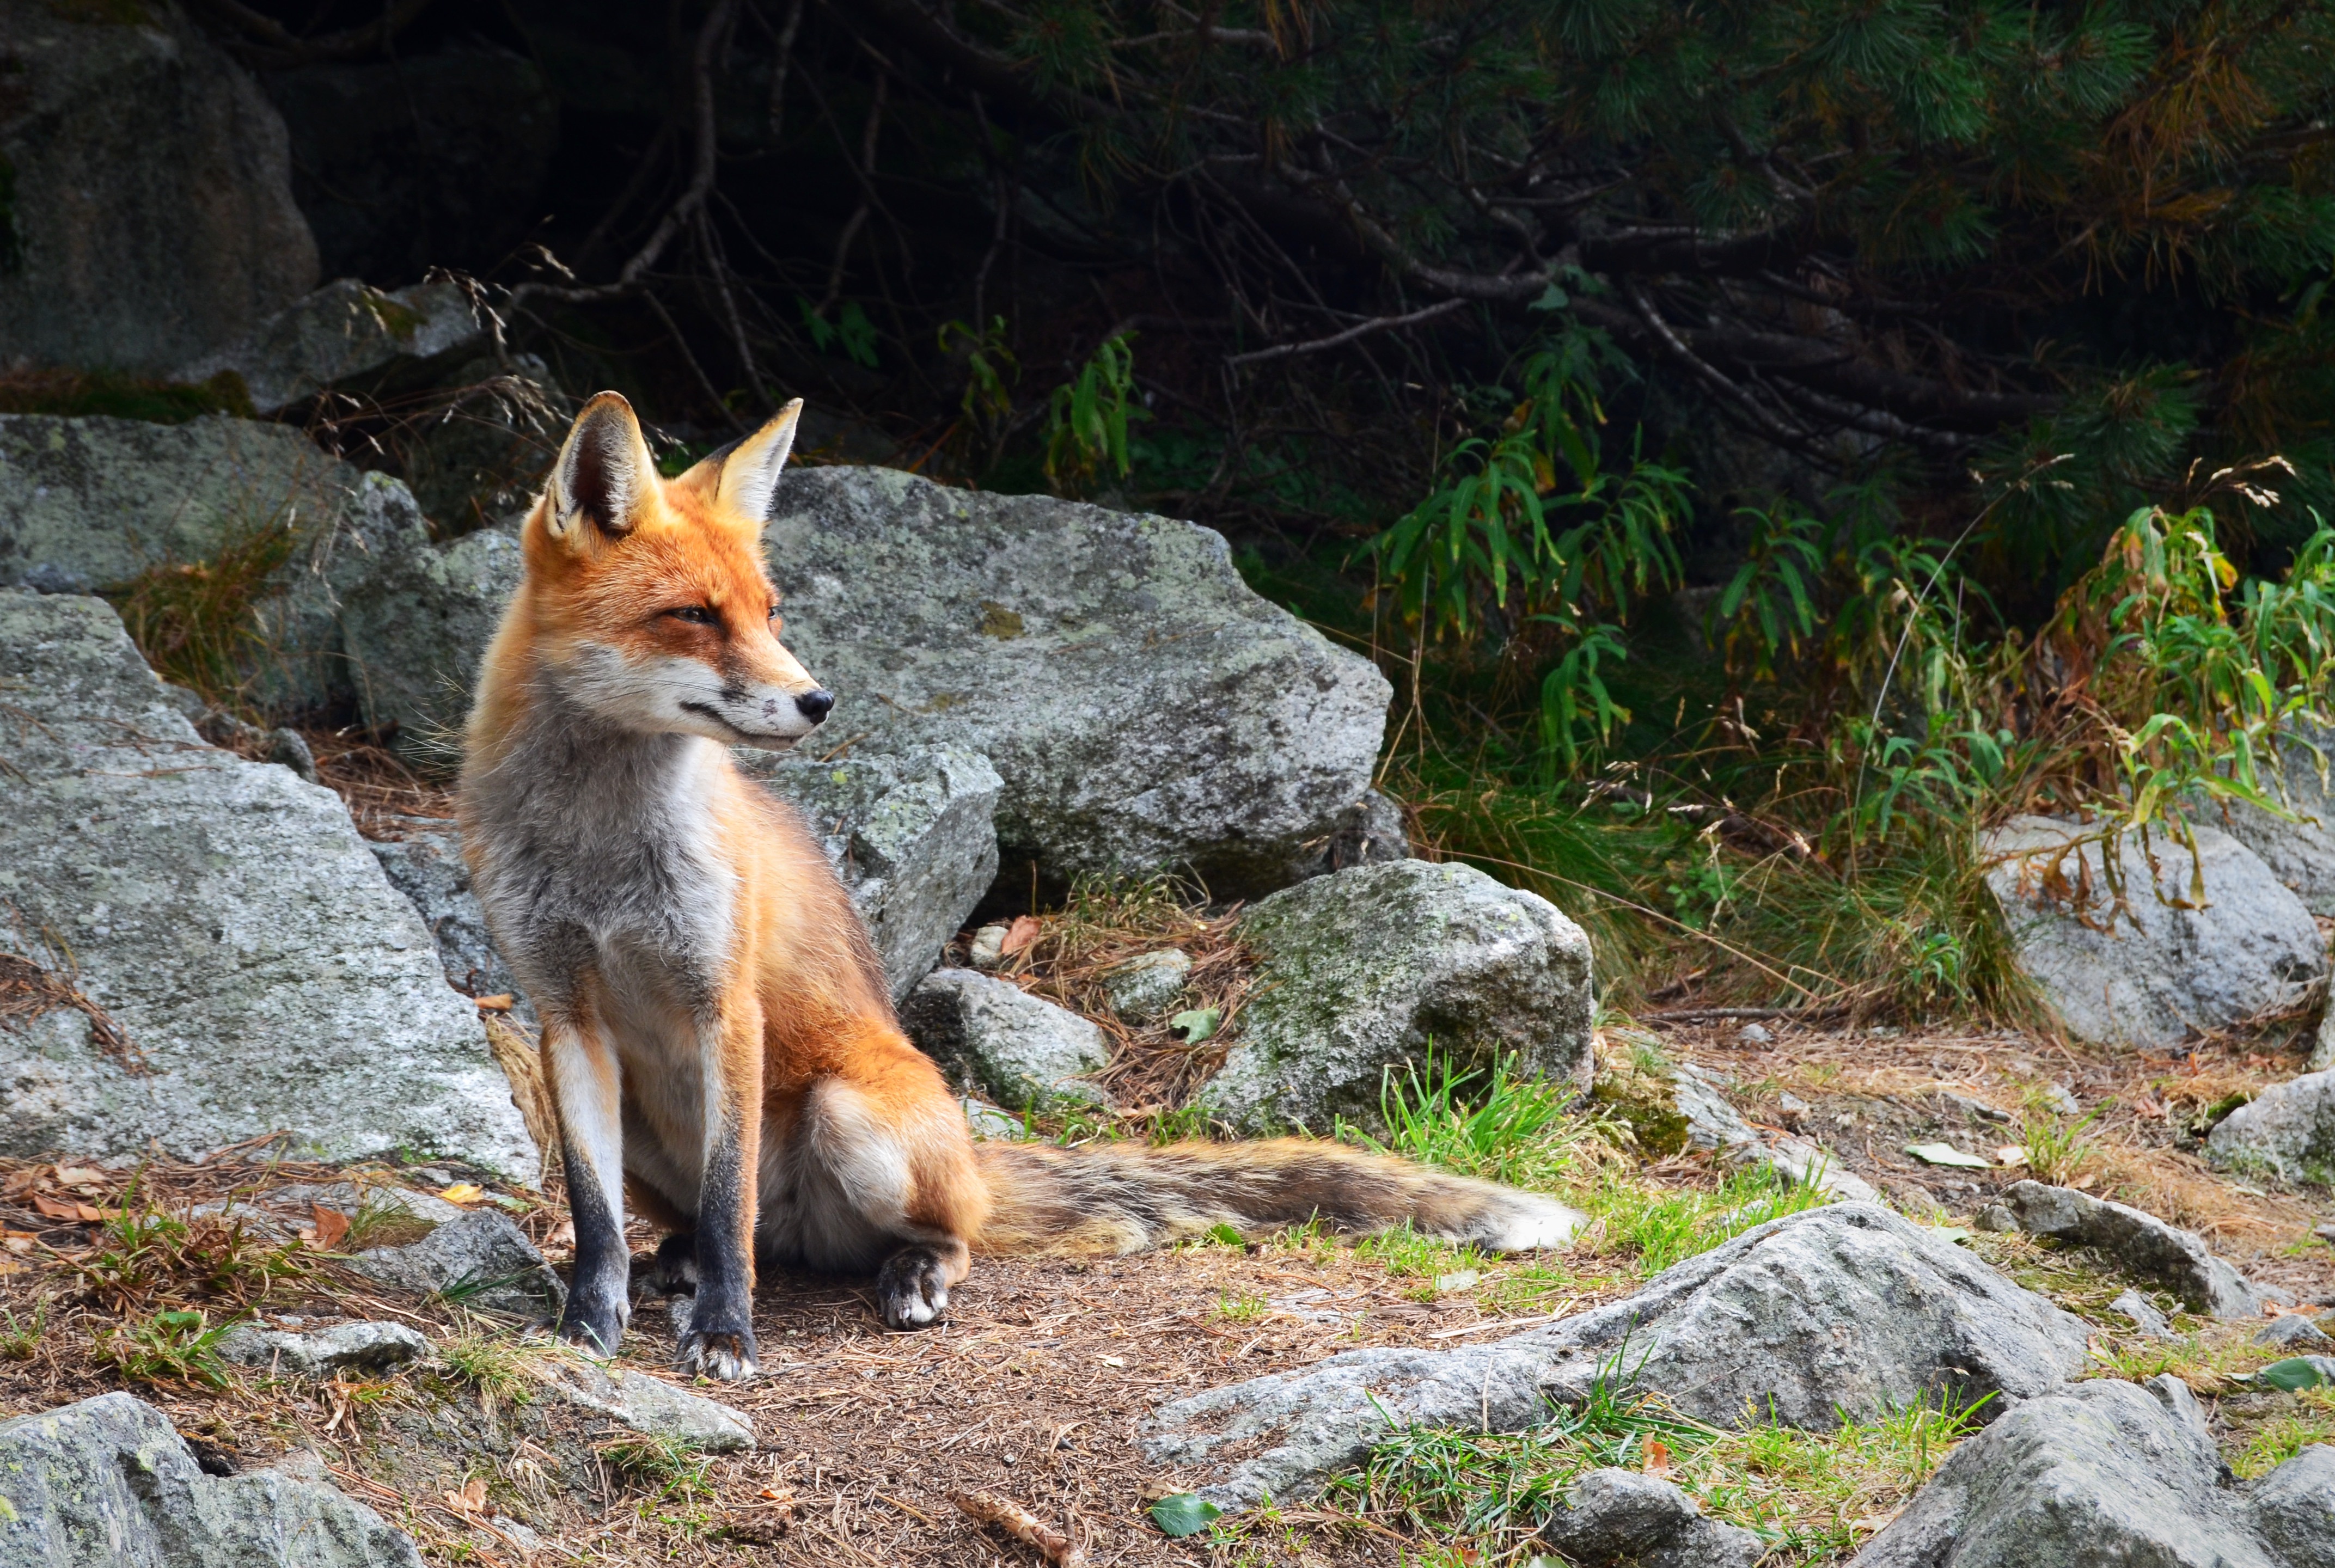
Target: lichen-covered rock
2300,850
1621,1519
2141,1243
1144,708
1147,985
344,332
645,1404
1022,1050
2158,970
2286,1133
913,837
2107,1472
150,216
482,1259
262,971
345,1347
1359,971
109,1481
1840,1313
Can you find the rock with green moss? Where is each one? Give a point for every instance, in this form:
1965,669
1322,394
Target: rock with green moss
2286,1133
1368,968
149,215
109,1480
1145,709
348,335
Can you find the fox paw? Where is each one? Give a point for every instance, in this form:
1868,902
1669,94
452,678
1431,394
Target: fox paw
725,1357
596,1334
912,1288
673,1272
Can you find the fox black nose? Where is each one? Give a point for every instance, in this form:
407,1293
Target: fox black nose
814,704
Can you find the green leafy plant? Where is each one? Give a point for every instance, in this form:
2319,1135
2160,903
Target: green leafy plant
850,330
1498,1124
173,1346
1087,420
985,411
20,1340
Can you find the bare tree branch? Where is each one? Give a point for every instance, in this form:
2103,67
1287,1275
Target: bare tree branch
1360,329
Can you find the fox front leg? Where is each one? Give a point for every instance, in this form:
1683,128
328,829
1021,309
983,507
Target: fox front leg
720,1340
587,1083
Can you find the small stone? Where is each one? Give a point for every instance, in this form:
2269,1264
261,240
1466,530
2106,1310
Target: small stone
2287,1132
647,1404
988,947
1020,1049
1791,1104
2325,1233
989,1122
2141,1242
2142,1312
2061,1099
346,1347
1613,1516
1995,1218
482,1259
2290,1331
1755,1035
1458,1280
1147,985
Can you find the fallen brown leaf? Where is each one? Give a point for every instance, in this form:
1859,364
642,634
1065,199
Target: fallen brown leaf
55,1210
332,1225
1019,934
498,1003
1657,1460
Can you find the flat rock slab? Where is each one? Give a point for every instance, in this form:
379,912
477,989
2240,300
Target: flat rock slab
323,1353
990,1034
345,333
1146,709
2108,1472
2148,971
2286,1133
2142,1243
645,1404
229,920
1842,1311
109,1481
1359,971
481,1259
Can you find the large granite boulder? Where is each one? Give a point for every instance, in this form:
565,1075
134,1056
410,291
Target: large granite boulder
348,333
1359,971
263,973
150,218
109,1480
2141,1244
1144,708
2108,1472
1844,1313
913,837
2286,1133
2298,850
2147,971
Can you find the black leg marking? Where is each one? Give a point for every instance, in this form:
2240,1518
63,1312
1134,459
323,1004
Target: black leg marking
720,1340
597,1301
912,1287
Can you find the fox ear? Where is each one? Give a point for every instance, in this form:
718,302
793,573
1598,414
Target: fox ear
750,470
604,473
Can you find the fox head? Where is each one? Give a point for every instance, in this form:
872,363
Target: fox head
651,608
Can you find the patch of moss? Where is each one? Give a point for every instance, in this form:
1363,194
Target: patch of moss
1644,1103
400,322
79,394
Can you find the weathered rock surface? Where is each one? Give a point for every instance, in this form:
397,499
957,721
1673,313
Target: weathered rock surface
1802,1163
1359,971
345,333
2141,1242
109,1481
2292,1331
427,867
482,1258
1369,832
228,918
2107,1472
2300,853
913,837
2286,1133
1145,709
1621,1519
1022,1050
152,216
2157,970
1841,1312
1147,985
345,1347
647,1404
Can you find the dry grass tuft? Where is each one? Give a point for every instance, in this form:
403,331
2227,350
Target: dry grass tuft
29,988
383,794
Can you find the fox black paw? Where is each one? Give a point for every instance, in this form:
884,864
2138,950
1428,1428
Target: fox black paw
674,1271
598,1334
725,1356
912,1288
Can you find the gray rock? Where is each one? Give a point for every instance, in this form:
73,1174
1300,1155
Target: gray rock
345,1347
2104,1472
2293,1509
2286,1133
1359,971
913,837
1802,1163
2300,853
1621,1519
90,503
1711,1122
1147,985
2151,1323
482,1259
345,332
2139,1242
2157,970
228,918
647,1404
1840,1313
1371,832
988,1122
108,1481
1145,709
152,218
990,1034
1755,1035
2292,1332
427,867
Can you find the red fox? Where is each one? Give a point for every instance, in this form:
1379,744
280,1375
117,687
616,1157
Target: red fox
717,1031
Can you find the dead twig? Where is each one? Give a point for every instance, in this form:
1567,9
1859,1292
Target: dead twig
989,1508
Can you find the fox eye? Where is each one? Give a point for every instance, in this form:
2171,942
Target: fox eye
695,615
774,612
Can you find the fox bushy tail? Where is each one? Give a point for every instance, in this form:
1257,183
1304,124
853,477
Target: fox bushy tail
1112,1198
